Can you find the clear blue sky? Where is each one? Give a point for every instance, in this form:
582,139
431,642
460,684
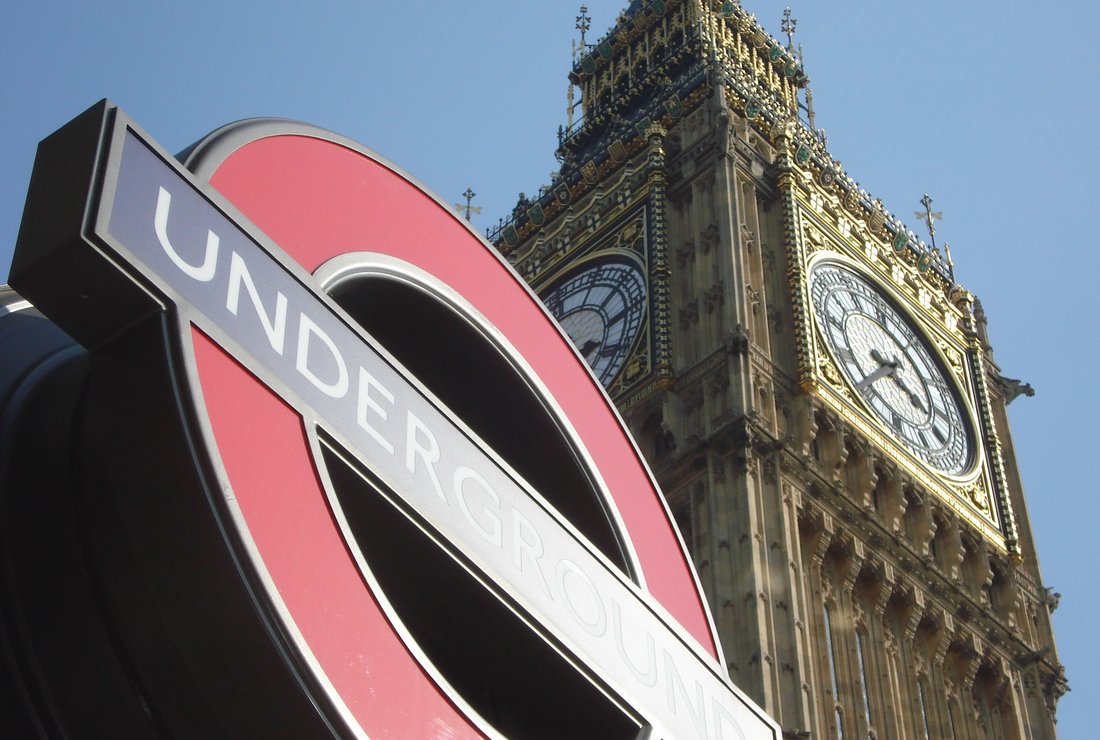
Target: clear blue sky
989,107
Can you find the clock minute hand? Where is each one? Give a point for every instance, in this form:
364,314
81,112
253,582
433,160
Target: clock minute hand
896,363
589,347
913,397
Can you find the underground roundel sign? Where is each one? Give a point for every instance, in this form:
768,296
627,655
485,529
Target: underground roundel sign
368,487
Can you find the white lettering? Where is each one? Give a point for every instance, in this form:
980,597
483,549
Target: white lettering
307,329
587,608
723,720
204,273
238,276
429,454
675,685
533,546
492,534
366,403
649,676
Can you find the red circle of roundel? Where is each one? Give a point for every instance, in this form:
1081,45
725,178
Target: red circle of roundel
318,197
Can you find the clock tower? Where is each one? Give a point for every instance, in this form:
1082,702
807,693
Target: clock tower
813,388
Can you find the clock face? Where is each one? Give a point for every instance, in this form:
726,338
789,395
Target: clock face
890,365
601,307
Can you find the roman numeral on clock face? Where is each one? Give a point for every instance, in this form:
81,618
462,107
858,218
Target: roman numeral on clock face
897,422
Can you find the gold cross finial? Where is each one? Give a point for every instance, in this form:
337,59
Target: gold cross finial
583,23
469,195
930,217
788,25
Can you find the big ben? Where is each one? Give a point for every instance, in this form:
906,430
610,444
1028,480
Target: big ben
811,383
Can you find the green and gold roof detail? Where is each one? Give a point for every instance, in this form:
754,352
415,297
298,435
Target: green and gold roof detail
658,63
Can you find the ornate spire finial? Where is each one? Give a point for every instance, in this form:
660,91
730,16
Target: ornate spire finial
930,217
788,25
469,195
584,22
580,48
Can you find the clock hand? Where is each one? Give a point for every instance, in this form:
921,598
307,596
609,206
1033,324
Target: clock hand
885,368
913,397
589,347
896,363
881,358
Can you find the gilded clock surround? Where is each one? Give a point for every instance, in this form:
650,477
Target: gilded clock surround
823,225
890,369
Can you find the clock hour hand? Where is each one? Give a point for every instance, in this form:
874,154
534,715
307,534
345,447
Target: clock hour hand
881,359
885,368
589,347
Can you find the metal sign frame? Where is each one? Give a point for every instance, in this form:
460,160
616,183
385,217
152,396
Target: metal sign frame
121,244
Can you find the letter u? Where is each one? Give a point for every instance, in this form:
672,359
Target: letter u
204,273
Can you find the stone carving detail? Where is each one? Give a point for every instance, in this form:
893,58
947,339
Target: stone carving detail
920,666
859,614
748,240
714,296
916,613
685,254
857,556
890,641
885,592
1015,388
878,217
944,635
752,464
977,494
775,320
829,372
769,257
971,649
754,298
952,552
718,470
814,238
851,199
710,238
827,595
689,313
